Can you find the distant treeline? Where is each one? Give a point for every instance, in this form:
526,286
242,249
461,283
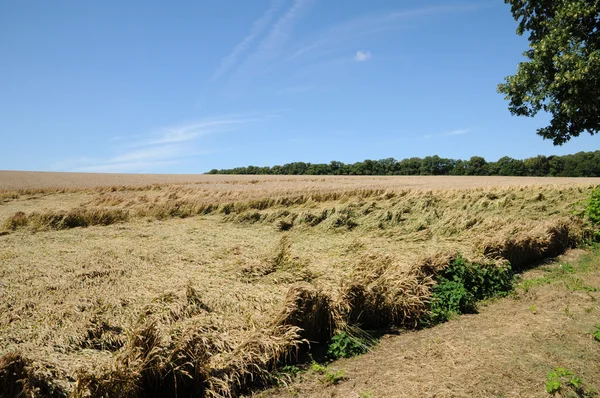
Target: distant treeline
581,164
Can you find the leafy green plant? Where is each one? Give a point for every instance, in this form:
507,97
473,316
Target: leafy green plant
462,284
331,377
335,377
318,368
344,345
592,210
533,308
286,374
561,378
291,370
596,333
450,298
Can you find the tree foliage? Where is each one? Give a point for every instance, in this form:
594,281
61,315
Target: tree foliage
562,73
582,164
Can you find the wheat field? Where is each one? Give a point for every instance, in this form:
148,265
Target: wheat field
154,285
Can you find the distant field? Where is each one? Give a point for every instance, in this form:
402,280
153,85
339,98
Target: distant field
13,180
135,283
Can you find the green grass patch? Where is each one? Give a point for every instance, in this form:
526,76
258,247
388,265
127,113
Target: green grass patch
570,275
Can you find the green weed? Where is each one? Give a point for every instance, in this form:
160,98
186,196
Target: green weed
343,345
577,284
596,333
291,370
561,379
592,210
533,308
335,377
462,284
287,374
331,377
318,368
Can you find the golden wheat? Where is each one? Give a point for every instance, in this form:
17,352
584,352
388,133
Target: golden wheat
200,289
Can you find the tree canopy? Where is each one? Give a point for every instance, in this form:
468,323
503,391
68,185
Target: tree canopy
562,73
581,164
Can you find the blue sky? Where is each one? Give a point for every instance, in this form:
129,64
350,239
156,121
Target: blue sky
184,87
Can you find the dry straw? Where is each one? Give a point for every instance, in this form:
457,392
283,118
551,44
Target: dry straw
385,247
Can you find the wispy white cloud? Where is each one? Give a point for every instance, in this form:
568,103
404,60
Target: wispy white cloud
190,132
273,45
282,29
145,154
362,56
258,27
139,160
432,10
306,49
167,146
366,25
